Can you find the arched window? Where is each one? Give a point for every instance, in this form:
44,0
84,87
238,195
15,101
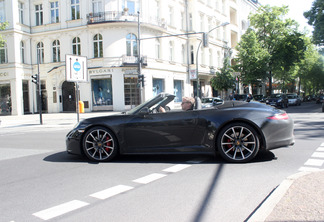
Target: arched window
97,46
3,54
76,46
131,45
40,52
56,51
22,52
183,53
171,51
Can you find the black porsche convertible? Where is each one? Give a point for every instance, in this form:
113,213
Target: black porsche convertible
237,130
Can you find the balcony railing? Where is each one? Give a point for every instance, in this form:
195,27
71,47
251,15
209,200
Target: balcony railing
133,60
122,16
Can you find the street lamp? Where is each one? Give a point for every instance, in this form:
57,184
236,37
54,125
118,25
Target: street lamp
205,39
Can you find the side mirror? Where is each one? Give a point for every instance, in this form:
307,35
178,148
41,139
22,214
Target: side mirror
144,111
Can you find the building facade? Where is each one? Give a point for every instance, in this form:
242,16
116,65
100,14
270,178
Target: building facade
112,35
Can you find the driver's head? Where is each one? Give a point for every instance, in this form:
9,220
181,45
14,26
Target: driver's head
187,103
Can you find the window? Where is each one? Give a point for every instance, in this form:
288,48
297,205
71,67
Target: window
76,46
97,46
75,9
131,45
102,92
158,86
39,14
170,51
183,53
211,63
178,90
96,6
131,91
2,11
190,22
183,21
21,12
202,23
22,52
3,54
157,49
170,20
55,12
131,7
40,52
192,55
56,51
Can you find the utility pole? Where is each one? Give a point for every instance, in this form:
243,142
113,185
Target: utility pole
139,59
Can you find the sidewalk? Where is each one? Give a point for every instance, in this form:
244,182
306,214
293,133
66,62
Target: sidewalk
298,198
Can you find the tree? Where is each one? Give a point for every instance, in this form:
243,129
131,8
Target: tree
251,59
3,26
315,18
272,33
223,79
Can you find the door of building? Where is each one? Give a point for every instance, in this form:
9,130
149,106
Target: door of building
68,97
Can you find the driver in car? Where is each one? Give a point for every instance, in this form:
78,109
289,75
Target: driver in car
187,104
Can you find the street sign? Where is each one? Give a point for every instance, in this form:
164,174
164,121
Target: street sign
76,68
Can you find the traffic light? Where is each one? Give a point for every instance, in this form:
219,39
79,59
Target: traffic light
35,79
141,80
205,39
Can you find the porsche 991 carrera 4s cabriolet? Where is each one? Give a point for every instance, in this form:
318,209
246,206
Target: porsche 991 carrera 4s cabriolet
237,130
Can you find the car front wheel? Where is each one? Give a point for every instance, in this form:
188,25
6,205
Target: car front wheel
238,142
99,144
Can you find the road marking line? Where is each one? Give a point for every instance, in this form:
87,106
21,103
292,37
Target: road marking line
60,209
314,162
321,149
308,169
176,168
322,145
111,192
318,155
149,178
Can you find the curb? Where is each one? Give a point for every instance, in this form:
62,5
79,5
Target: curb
267,206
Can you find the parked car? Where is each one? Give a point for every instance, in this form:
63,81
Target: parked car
294,99
320,99
260,98
241,97
236,130
278,100
211,101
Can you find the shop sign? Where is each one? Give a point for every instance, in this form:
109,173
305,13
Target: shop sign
100,71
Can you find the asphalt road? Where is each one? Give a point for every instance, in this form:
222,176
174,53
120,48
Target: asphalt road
39,181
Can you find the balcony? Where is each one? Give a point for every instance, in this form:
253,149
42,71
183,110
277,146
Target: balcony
133,60
122,16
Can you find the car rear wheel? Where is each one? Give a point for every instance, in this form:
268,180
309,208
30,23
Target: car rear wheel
238,142
99,144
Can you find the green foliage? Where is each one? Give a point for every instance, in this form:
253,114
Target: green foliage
271,48
315,18
224,79
3,26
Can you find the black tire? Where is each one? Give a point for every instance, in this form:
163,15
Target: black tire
238,143
99,144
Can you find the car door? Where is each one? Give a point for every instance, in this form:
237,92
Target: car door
161,131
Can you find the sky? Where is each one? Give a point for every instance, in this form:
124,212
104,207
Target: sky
296,9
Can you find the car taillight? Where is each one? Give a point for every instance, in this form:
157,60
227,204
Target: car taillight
281,116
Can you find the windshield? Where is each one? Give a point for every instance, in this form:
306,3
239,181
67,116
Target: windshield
207,100
161,99
275,96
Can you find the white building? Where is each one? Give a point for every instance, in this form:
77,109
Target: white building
106,32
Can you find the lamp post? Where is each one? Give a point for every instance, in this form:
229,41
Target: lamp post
205,35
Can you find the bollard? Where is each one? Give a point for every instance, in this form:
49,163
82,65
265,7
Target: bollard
81,107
